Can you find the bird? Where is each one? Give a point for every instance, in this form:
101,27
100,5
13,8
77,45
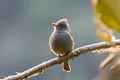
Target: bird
61,41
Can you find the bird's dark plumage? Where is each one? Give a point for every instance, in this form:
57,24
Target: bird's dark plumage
61,41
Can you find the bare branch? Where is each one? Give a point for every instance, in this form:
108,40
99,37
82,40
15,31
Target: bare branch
46,64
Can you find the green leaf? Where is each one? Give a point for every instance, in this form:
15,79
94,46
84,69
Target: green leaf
108,11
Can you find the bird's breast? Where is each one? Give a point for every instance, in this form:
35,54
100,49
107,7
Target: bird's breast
61,43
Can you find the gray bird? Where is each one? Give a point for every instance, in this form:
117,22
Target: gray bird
61,41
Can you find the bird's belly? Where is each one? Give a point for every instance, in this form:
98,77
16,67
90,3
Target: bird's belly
62,44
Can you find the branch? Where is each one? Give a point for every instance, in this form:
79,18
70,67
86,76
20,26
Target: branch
75,53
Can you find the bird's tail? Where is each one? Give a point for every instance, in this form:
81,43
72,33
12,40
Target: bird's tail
66,66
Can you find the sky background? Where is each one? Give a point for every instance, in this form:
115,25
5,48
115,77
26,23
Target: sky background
25,27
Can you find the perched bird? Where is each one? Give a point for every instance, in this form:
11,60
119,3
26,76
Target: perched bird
61,41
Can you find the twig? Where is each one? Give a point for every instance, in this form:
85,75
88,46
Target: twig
46,64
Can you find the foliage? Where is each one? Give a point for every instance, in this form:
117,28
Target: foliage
106,19
108,13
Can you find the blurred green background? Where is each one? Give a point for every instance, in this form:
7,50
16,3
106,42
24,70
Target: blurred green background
25,27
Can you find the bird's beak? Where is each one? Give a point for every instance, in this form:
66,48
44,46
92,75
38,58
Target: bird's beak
54,24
